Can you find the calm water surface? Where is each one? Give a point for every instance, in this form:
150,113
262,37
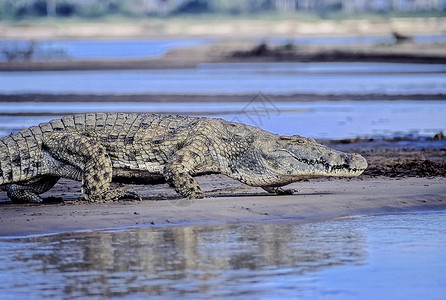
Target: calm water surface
315,119
100,49
379,257
242,78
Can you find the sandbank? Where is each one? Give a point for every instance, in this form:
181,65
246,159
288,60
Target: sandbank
227,201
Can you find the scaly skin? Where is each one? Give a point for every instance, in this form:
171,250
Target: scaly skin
98,148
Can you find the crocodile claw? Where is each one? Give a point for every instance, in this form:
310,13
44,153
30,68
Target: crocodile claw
129,196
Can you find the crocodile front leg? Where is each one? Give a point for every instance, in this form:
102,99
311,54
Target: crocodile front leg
178,171
82,158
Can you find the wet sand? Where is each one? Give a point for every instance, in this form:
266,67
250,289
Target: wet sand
228,202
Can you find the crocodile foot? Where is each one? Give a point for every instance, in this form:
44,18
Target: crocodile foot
22,194
279,190
112,195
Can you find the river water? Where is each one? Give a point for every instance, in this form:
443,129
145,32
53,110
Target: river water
316,119
241,78
370,257
98,49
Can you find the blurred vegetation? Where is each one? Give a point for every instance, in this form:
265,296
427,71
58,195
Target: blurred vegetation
29,51
15,10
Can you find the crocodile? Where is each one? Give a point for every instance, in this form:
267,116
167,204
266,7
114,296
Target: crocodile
98,148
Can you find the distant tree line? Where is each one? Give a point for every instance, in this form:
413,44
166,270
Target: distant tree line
17,9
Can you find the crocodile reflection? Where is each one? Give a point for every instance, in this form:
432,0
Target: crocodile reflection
176,260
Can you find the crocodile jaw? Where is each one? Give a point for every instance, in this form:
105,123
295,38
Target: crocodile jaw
343,165
292,162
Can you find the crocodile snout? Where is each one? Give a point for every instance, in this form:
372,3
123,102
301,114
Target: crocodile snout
358,162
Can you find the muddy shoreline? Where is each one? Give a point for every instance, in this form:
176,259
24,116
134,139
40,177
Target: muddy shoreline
162,64
228,202
237,50
191,58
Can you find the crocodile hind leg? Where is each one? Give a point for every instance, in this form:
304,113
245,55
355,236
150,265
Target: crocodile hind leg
29,191
82,158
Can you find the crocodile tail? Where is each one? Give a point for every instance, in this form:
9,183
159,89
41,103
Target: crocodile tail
20,156
20,153
10,158
4,161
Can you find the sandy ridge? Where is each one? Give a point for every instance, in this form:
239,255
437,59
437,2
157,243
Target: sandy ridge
228,202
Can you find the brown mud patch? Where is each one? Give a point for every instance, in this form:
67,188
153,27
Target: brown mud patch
296,53
405,163
399,156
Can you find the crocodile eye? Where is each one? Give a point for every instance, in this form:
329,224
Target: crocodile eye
285,138
300,141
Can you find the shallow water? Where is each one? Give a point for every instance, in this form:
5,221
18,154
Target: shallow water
379,257
242,78
316,119
100,49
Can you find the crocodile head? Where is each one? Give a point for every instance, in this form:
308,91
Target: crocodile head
294,157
